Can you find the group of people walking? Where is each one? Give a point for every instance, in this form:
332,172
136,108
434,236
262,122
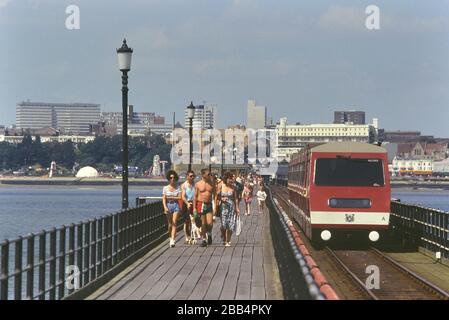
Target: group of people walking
201,202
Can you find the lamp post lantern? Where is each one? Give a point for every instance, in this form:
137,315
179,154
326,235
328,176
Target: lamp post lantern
190,115
124,54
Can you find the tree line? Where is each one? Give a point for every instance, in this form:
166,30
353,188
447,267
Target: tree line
102,153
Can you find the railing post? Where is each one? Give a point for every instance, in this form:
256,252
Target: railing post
137,228
18,270
52,261
93,249
100,247
132,232
30,267
110,241
71,248
4,271
105,243
61,280
126,234
42,249
79,251
115,239
145,226
86,250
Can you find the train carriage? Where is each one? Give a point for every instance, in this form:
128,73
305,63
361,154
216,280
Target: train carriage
340,188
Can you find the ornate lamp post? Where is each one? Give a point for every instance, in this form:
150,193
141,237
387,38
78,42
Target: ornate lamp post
124,55
190,115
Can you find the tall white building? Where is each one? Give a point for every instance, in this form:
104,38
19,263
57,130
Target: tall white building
69,118
256,115
292,137
205,117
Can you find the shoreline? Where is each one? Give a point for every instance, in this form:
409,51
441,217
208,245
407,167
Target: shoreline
36,181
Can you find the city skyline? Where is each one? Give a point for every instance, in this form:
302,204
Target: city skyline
303,61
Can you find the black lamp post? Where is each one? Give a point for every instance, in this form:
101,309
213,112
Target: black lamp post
190,115
222,158
210,153
124,61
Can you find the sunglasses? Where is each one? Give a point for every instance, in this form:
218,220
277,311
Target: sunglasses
172,177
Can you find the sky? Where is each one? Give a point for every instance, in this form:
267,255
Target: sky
302,59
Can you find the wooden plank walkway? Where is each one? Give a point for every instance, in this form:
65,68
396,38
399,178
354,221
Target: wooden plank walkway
246,270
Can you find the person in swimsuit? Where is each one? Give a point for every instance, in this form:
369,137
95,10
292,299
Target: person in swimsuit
247,196
261,197
229,207
171,197
203,206
188,192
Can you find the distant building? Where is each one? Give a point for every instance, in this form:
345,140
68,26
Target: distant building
205,117
405,136
424,150
292,137
256,115
350,117
139,123
401,167
69,118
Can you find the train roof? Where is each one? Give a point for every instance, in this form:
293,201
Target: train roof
348,147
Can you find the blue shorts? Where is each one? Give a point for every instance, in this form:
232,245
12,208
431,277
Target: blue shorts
173,206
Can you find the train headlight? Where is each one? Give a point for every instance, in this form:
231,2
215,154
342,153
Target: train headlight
374,236
326,235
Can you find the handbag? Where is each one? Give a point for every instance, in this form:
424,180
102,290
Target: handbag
238,226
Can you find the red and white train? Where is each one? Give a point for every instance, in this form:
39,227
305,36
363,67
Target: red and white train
340,188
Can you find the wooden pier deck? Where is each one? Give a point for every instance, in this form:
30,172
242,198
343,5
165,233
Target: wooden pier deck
246,270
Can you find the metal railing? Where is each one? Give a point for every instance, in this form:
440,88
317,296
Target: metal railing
35,266
298,262
420,226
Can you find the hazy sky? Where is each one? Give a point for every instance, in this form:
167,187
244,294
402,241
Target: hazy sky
302,59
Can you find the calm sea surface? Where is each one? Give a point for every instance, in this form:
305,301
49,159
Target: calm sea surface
25,209
437,199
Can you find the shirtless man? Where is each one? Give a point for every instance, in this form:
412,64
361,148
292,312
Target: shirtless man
203,205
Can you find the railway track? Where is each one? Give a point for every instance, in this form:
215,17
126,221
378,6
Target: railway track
396,282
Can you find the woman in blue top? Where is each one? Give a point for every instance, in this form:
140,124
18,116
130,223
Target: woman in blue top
188,192
171,196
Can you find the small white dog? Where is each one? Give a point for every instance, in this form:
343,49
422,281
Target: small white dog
195,232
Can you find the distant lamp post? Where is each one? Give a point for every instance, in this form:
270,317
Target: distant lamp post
190,115
210,154
124,55
222,158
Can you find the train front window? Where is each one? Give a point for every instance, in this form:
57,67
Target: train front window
344,171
